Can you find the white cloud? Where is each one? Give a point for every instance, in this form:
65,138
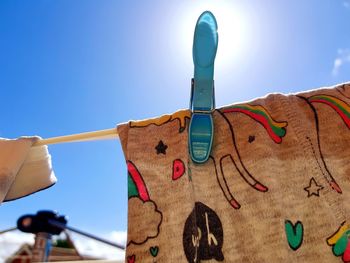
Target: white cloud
342,58
10,242
90,247
118,237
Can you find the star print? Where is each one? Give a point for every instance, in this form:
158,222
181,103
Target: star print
161,148
251,138
313,188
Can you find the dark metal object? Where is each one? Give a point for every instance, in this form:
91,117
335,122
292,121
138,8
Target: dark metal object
60,225
40,222
8,230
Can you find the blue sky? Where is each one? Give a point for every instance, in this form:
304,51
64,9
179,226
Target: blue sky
75,66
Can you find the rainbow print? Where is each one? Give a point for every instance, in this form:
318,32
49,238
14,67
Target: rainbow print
276,130
136,185
340,242
341,107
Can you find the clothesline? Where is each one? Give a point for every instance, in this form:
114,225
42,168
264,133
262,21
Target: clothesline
86,136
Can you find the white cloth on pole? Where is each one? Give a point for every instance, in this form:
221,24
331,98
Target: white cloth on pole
23,169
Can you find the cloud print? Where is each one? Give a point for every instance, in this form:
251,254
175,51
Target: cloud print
144,227
342,58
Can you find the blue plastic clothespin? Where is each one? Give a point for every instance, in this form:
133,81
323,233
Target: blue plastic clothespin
201,130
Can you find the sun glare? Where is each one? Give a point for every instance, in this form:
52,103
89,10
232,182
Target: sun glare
233,29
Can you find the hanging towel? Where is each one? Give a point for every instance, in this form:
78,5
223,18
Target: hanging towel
276,187
23,169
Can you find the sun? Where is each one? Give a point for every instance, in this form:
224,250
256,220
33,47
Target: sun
235,32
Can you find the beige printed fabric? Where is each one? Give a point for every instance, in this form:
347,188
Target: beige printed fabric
275,189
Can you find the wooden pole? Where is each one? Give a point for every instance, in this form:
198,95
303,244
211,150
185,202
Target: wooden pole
42,247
